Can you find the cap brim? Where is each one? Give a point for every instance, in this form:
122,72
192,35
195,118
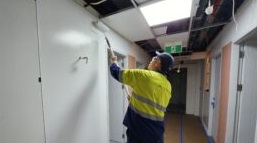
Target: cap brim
157,53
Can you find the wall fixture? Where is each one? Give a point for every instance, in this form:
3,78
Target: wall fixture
83,58
179,66
209,9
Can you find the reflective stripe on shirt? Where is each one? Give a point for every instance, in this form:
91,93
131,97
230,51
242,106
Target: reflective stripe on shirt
149,102
151,117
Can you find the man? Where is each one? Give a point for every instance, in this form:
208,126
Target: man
151,94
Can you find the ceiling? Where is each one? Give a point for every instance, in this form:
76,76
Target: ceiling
194,33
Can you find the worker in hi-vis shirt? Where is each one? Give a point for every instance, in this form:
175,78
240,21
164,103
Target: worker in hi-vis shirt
151,94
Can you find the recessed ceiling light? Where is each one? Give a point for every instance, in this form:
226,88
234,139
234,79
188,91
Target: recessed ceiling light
166,11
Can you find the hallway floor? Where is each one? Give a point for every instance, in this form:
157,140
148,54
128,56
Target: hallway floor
183,129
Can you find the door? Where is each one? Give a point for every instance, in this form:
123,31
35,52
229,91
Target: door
178,79
248,97
215,97
116,106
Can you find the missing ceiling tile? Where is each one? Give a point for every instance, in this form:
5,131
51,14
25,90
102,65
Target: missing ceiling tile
160,30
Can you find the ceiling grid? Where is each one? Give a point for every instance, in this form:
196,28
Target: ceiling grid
125,18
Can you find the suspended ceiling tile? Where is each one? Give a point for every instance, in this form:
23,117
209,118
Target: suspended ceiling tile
160,30
180,37
130,24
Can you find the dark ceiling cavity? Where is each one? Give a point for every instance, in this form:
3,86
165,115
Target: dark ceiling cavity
178,26
150,46
109,7
206,27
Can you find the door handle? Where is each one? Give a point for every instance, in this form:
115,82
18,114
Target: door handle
213,104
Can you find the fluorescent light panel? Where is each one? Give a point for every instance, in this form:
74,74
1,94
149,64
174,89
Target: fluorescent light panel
166,11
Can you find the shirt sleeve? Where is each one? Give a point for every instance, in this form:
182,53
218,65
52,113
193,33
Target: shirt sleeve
115,71
127,76
132,77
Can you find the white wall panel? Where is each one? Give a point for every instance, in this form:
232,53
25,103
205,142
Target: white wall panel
21,116
190,106
75,92
75,95
256,131
199,73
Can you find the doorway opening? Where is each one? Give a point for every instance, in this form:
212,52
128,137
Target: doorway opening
117,99
178,81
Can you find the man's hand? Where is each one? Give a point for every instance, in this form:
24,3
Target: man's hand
114,59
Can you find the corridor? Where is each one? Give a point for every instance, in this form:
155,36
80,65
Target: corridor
55,82
181,128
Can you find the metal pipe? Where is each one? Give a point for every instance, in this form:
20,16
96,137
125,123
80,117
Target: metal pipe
210,26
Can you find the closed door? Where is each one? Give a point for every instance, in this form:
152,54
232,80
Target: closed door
248,98
215,97
116,107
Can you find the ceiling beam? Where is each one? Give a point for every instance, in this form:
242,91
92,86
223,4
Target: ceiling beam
193,56
210,26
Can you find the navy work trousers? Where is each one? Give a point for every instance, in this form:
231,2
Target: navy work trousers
133,139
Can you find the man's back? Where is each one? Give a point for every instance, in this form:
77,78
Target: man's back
150,97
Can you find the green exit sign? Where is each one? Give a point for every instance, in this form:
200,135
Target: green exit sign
173,49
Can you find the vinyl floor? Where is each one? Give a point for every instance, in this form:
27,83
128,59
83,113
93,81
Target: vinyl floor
183,129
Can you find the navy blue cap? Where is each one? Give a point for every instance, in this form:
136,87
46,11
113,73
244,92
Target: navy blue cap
167,61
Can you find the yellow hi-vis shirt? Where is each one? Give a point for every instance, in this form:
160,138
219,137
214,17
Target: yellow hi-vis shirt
151,92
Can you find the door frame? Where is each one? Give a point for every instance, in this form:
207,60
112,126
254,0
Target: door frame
123,65
243,98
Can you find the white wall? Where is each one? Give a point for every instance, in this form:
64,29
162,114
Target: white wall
246,23
21,116
75,93
191,89
205,109
256,132
199,73
140,55
76,101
